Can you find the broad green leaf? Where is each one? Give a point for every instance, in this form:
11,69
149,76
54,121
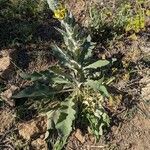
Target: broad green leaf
68,42
97,64
60,80
37,90
76,30
37,75
61,55
89,54
67,111
94,84
59,52
86,51
98,86
33,77
50,115
62,120
103,90
64,58
59,71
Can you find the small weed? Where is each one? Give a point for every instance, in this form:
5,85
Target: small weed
127,18
136,22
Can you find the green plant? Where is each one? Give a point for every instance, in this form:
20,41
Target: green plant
98,19
77,77
128,17
137,20
107,23
102,17
19,20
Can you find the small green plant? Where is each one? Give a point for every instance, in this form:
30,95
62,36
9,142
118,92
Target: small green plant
136,22
77,77
102,17
106,23
128,17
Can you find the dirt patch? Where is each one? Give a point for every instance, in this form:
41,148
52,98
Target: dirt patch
133,135
129,135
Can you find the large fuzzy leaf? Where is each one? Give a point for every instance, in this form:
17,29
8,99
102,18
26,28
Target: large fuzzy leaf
97,64
37,75
60,80
104,91
68,42
37,90
62,56
62,120
86,52
98,86
59,71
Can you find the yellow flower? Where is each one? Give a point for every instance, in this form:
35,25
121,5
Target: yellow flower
60,13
